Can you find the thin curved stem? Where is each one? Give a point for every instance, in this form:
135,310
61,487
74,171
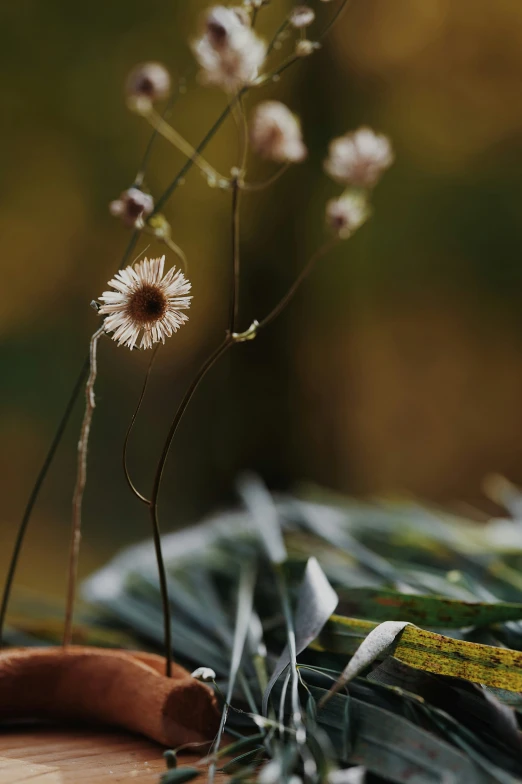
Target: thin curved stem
307,269
236,263
153,504
36,490
169,242
282,27
259,186
131,426
333,20
81,478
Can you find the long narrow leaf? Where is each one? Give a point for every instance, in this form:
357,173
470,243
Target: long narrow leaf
497,667
316,602
383,604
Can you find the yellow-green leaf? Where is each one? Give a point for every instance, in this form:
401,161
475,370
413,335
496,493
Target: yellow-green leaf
497,667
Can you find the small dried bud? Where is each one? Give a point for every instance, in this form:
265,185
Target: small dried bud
204,674
275,133
132,207
229,52
304,48
301,16
146,84
359,158
346,214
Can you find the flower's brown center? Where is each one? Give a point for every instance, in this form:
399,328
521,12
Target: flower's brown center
147,305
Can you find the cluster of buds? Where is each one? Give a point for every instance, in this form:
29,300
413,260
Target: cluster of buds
357,160
229,51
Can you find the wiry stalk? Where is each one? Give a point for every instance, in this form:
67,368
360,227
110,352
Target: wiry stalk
35,492
81,478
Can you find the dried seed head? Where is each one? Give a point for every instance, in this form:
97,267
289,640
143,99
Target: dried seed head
132,207
145,302
275,133
301,16
346,214
146,84
229,52
359,158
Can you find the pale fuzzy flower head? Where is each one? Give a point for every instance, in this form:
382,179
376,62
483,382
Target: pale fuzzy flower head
304,47
301,16
146,84
346,214
145,302
229,51
275,133
359,158
132,207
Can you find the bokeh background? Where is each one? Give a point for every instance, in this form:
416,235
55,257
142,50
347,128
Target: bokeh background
398,367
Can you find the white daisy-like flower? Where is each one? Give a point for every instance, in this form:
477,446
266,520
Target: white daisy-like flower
359,158
229,51
346,214
275,133
146,302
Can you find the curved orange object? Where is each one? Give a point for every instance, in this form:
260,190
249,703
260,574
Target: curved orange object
126,689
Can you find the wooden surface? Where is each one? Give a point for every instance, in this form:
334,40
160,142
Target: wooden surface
77,756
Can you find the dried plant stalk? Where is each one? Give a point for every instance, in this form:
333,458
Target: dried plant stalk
81,478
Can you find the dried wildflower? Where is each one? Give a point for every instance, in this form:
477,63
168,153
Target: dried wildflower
346,214
145,301
132,207
204,674
304,47
359,158
229,52
301,16
275,133
146,84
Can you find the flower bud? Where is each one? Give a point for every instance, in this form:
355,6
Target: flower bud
304,47
132,207
146,84
346,214
301,16
229,51
359,158
275,133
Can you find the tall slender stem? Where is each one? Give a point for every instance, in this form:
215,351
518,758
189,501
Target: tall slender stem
153,503
81,478
262,184
36,490
307,269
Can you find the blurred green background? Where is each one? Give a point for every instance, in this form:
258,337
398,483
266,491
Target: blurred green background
398,366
